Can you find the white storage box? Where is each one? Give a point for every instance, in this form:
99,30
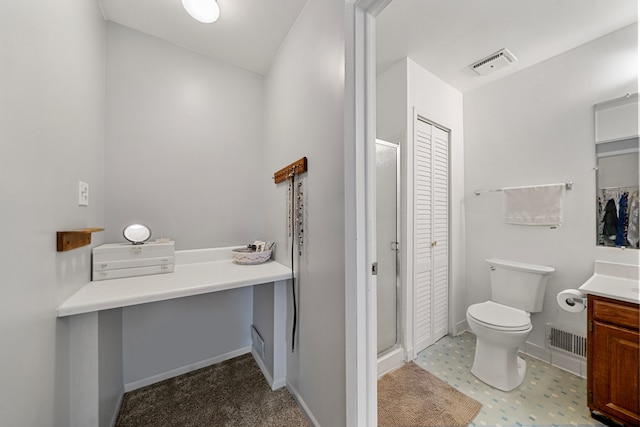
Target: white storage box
118,260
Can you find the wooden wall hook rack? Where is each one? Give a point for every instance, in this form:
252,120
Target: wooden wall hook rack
295,168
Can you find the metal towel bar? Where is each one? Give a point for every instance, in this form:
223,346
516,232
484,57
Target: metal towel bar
477,192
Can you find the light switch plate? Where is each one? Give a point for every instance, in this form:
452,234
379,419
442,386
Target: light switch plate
83,193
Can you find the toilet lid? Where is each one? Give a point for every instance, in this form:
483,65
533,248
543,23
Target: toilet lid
501,316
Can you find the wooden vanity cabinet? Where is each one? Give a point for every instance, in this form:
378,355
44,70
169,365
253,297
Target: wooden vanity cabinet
613,360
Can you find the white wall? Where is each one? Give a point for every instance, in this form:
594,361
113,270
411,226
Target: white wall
110,368
52,97
304,116
537,127
391,103
184,156
184,142
167,336
263,322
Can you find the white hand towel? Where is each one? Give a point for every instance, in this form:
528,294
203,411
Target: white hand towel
535,205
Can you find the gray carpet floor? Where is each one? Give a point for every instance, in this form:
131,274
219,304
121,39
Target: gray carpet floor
231,393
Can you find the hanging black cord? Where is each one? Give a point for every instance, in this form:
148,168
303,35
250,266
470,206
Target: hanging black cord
293,277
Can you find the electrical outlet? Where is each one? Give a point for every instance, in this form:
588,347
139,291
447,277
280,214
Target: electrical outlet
83,194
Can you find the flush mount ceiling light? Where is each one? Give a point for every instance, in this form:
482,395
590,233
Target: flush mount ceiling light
205,11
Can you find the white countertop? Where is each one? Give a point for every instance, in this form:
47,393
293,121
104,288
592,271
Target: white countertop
196,272
612,280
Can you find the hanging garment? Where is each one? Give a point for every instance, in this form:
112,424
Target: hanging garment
622,212
601,202
626,222
610,219
634,213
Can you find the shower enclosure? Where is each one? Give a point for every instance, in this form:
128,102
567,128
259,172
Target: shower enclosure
387,231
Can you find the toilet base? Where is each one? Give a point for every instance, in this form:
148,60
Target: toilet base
499,367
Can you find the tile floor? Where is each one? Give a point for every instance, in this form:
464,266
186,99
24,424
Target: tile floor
548,395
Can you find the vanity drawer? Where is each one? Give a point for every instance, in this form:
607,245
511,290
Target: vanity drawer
131,263
127,251
615,312
132,272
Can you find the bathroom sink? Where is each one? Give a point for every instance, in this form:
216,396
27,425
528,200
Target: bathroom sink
613,280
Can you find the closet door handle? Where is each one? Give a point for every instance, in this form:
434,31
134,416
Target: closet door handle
434,243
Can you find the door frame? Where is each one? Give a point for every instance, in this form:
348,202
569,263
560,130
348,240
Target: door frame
360,289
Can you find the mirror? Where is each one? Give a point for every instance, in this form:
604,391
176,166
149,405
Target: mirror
137,233
617,178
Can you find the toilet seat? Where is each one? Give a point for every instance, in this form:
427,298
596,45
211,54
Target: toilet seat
500,317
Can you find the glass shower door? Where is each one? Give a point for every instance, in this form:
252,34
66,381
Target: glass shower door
387,191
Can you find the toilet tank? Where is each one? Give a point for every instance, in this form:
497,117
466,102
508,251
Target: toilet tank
517,284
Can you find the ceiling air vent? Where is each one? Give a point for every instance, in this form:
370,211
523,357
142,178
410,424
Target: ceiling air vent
493,62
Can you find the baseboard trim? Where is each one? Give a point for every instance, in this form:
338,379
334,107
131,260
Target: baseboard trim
114,418
185,369
305,409
391,361
461,327
537,352
566,362
265,372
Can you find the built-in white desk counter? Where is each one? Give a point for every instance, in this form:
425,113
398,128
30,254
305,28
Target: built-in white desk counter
196,272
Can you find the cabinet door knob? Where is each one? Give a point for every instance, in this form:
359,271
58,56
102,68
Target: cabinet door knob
434,243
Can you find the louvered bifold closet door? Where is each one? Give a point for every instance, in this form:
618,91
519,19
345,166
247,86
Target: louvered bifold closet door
440,162
422,267
431,223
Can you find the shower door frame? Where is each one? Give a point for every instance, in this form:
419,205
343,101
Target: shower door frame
399,288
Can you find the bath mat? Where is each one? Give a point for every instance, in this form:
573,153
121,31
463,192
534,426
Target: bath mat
413,397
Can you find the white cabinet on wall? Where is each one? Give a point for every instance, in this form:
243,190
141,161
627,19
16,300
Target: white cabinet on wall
431,232
617,119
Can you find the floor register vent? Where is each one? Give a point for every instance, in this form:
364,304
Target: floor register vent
257,342
569,342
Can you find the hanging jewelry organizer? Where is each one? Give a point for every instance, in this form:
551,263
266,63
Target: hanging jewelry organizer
295,201
295,168
299,216
295,220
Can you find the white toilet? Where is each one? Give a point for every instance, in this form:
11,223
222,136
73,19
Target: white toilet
503,324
